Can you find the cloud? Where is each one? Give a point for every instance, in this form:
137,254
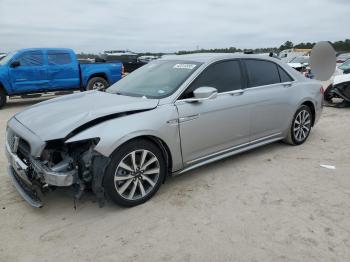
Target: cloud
159,25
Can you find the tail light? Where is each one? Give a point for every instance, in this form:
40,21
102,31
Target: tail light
340,61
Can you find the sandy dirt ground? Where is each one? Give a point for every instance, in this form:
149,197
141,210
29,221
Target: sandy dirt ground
272,204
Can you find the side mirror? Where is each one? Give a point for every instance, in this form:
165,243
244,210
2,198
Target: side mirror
15,64
203,93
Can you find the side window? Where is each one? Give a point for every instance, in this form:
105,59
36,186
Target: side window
31,59
283,75
261,72
224,76
58,58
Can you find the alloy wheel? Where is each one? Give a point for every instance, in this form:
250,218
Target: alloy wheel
302,125
137,174
98,86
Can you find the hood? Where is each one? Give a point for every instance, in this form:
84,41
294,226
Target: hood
56,118
338,79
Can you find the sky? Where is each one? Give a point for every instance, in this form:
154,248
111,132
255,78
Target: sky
169,26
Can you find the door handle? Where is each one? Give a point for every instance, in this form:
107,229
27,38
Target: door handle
286,85
237,93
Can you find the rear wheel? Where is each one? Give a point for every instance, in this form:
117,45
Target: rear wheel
135,173
97,83
301,126
3,97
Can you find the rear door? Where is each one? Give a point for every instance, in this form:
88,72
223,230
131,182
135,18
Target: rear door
212,126
63,70
31,74
269,89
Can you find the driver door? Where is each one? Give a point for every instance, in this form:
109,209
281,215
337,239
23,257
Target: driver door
31,74
216,125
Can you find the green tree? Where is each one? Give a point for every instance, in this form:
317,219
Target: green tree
286,45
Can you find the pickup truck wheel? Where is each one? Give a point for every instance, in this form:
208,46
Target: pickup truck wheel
135,173
2,97
97,83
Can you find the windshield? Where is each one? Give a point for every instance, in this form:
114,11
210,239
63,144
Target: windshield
7,58
157,79
300,59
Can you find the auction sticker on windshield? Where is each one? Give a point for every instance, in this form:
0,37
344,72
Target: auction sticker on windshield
185,66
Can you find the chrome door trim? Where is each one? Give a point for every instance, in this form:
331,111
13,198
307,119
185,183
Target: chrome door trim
233,92
290,83
188,118
230,152
234,148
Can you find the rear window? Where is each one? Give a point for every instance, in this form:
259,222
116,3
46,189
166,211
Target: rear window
59,58
283,75
35,58
262,73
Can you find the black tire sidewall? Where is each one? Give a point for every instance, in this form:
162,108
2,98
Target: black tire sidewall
301,108
326,95
3,97
94,80
117,156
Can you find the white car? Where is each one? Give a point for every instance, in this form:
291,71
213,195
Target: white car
299,62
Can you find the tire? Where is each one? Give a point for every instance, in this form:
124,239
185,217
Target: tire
298,133
327,93
122,179
97,83
3,97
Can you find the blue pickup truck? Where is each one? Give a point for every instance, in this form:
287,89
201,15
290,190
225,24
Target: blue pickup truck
40,70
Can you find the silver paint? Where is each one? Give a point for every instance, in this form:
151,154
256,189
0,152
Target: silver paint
195,133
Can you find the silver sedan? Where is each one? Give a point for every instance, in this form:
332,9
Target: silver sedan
168,117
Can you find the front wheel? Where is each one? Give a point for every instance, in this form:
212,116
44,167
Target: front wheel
3,98
135,173
97,83
301,126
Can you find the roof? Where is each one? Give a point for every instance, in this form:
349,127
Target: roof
208,57
47,49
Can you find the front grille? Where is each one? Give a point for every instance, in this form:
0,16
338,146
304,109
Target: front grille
23,148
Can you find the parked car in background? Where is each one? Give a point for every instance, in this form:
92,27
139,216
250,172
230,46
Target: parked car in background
147,58
2,56
271,54
299,63
345,67
342,57
289,54
39,70
128,58
338,92
168,117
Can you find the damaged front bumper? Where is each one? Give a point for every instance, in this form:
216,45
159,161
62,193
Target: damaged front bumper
30,191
